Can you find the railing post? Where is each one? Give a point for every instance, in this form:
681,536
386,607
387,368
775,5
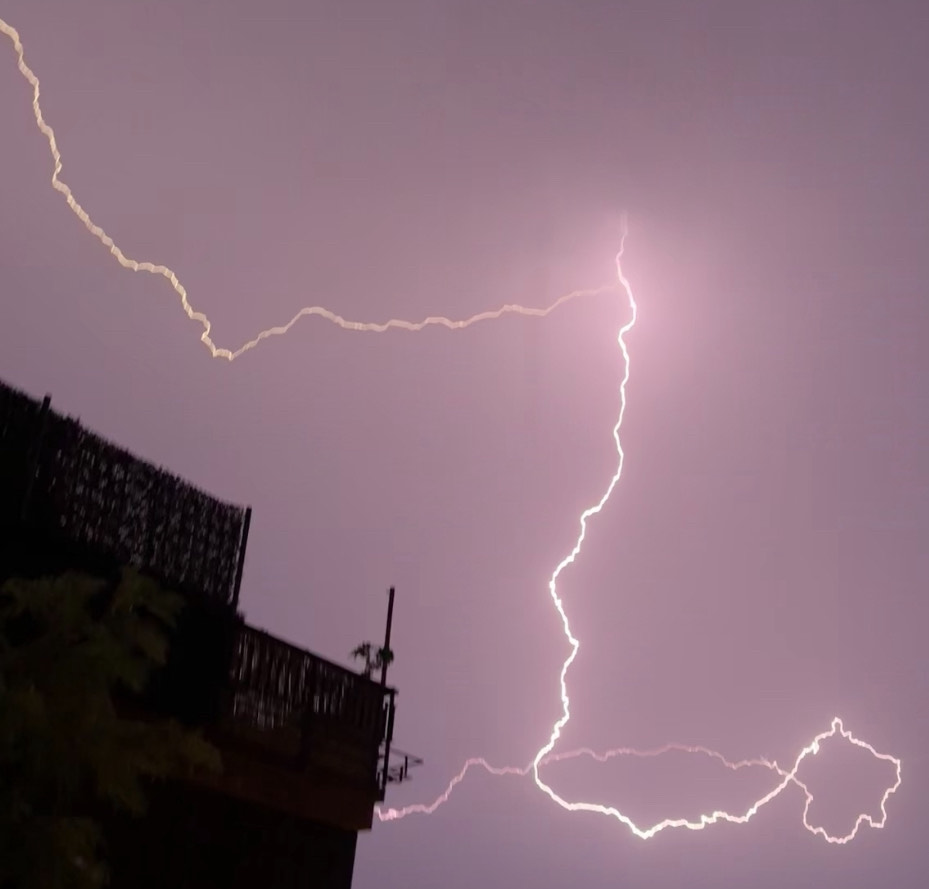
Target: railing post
37,453
388,737
232,681
240,567
309,704
390,621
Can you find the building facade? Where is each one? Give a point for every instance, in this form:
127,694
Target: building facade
305,743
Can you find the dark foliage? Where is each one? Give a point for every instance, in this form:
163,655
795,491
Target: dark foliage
67,646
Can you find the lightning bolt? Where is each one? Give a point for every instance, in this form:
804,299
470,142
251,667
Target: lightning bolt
199,317
786,777
546,754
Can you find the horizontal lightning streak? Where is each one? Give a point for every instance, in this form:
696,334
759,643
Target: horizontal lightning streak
546,754
194,315
786,778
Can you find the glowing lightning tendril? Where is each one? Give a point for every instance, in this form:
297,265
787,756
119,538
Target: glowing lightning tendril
546,754
166,272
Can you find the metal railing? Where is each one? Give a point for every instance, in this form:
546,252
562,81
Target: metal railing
395,765
307,708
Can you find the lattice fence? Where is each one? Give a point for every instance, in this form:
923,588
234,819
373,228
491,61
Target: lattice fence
100,496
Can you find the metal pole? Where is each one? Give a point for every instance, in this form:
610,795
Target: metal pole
390,620
388,734
243,543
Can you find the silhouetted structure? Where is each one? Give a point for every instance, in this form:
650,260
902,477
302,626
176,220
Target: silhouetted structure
305,742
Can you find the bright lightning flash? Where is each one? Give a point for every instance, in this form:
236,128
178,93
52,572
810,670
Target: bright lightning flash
546,754
194,315
785,778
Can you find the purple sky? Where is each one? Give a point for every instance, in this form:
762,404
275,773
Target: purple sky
762,566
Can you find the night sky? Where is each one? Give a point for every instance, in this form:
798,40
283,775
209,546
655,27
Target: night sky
762,564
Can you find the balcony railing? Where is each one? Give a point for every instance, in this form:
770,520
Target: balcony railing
307,709
396,764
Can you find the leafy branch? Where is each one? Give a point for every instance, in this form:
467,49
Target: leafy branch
67,646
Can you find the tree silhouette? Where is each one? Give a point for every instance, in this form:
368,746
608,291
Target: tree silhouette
68,645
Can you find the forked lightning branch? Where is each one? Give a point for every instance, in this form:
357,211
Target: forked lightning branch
782,778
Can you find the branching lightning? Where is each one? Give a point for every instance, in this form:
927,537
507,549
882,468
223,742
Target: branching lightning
785,778
546,754
157,269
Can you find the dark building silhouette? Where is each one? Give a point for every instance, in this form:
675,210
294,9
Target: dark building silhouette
306,744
